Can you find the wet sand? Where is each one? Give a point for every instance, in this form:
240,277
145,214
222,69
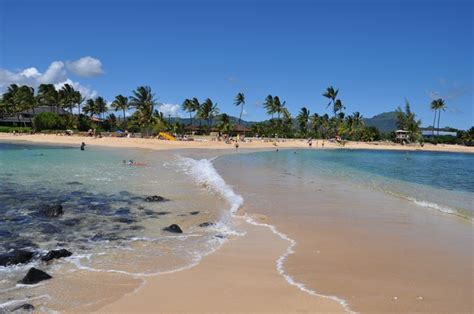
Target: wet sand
239,277
380,253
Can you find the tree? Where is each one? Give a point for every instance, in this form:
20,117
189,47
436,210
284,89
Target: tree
269,105
224,126
143,100
189,106
196,107
303,119
47,96
121,103
68,97
278,106
331,94
100,106
240,101
207,111
440,106
406,120
434,107
89,107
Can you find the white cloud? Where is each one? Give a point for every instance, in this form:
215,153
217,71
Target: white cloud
244,112
85,66
56,73
85,91
170,110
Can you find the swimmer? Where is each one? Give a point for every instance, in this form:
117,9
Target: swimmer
83,145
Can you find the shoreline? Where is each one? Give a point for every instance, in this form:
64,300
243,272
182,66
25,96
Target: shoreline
234,270
206,143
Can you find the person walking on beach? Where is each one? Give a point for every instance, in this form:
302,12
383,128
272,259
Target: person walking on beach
83,145
236,146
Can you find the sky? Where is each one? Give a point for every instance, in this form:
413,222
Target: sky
377,53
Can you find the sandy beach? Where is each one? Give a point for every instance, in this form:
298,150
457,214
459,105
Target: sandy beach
208,143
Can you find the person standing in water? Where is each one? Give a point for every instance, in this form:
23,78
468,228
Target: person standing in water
83,145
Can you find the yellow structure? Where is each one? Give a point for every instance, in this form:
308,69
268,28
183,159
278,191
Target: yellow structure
167,136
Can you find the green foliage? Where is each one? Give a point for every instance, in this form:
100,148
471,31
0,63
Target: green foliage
17,129
49,121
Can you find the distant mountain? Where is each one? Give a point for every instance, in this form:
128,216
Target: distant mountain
385,122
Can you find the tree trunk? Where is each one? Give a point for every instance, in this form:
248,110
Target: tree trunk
124,118
439,115
434,123
241,111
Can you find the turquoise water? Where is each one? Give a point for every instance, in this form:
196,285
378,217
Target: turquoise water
435,180
107,223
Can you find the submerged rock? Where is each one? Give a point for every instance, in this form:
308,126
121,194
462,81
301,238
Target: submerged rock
15,257
34,276
174,228
156,198
24,307
74,183
162,213
55,254
194,213
52,211
206,224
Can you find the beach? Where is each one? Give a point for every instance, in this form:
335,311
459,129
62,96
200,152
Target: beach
293,245
208,143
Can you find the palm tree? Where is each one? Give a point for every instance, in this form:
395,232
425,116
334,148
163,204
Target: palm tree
278,106
100,107
331,94
438,105
303,118
189,106
143,100
68,97
269,105
315,122
208,110
24,99
240,101
197,107
434,107
89,107
224,126
47,96
120,103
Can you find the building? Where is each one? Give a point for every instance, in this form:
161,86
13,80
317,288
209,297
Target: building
402,136
436,133
26,117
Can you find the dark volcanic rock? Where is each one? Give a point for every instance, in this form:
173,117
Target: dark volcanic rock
173,228
206,224
74,183
194,213
55,254
34,276
52,211
24,307
156,198
15,257
124,220
162,213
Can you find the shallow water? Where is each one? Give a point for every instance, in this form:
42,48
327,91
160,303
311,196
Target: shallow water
382,241
107,223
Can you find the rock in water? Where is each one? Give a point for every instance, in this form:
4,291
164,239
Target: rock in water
53,211
15,257
156,198
34,276
206,224
55,254
194,213
24,307
173,228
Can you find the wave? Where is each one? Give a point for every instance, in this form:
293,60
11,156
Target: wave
206,175
432,205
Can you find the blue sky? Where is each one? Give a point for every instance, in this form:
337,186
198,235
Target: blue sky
376,52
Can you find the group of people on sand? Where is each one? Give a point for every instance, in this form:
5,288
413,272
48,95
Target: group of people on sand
310,142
